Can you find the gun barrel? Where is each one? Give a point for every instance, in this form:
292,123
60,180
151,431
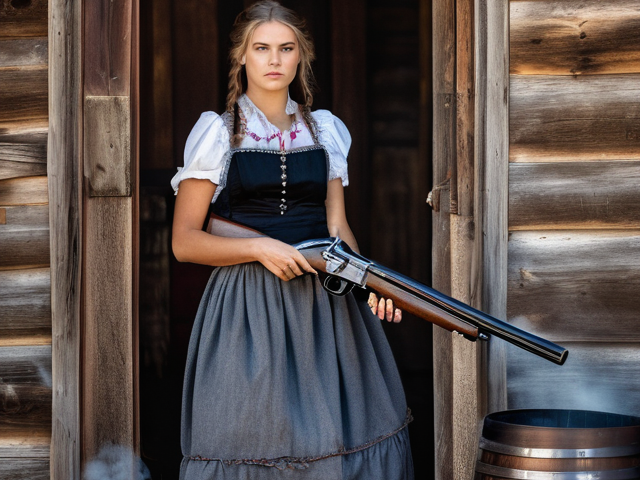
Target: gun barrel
484,322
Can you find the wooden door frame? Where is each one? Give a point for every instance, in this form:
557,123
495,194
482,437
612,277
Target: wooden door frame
87,314
470,200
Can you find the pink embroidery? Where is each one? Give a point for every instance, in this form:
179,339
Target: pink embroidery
295,129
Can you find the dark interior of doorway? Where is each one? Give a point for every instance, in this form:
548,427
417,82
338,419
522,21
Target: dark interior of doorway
183,73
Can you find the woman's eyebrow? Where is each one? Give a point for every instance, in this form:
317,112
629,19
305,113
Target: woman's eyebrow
266,44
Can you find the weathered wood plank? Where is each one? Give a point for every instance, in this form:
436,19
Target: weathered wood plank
567,37
576,285
23,148
108,357
23,52
107,58
444,112
492,119
25,393
107,146
23,18
66,211
31,448
595,377
25,303
25,237
23,95
24,469
574,195
24,191
581,118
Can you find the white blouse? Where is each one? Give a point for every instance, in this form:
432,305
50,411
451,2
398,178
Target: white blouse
208,151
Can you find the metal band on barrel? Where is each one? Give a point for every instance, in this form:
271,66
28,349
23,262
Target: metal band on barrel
503,472
603,452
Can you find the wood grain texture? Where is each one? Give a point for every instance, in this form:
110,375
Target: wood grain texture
23,148
492,188
23,19
444,148
23,95
107,57
107,146
580,195
574,38
581,118
108,348
25,303
24,469
65,214
595,377
24,191
25,393
576,285
25,237
23,52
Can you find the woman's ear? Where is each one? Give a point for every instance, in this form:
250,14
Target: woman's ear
243,60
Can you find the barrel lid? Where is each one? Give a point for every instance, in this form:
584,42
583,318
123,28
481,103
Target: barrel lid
551,428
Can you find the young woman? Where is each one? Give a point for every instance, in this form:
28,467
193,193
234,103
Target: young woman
283,380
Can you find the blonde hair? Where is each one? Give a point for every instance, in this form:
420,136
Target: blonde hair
301,88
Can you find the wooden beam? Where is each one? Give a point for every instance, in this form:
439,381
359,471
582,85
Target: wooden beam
24,191
491,184
445,188
25,304
23,95
23,19
108,363
575,285
107,53
107,146
575,38
576,195
580,118
25,237
26,394
23,52
65,215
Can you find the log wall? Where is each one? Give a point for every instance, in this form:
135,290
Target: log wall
25,304
574,201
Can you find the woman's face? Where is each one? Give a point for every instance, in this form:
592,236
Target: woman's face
272,57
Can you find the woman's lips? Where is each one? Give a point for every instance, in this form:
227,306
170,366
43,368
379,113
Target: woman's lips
273,74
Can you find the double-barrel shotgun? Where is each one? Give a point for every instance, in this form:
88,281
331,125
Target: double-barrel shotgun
341,269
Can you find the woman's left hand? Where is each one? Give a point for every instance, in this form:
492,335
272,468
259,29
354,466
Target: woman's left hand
384,308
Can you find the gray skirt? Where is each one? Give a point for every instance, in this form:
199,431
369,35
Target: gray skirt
284,380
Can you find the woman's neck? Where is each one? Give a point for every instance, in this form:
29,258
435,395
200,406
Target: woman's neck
273,105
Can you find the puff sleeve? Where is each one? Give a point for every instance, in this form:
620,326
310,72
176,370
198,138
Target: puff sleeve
334,136
205,152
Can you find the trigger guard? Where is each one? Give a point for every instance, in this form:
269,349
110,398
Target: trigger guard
335,285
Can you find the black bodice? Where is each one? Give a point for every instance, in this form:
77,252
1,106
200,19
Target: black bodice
253,194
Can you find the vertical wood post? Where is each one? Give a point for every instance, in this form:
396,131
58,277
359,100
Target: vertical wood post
64,170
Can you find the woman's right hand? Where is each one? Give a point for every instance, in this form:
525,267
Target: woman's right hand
281,259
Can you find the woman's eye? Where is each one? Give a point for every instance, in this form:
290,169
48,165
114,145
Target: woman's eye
287,49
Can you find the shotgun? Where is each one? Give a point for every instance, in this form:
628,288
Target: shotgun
341,269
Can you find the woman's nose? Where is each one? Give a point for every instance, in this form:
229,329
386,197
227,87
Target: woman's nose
274,59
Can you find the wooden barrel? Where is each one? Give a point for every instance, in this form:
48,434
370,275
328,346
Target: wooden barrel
559,445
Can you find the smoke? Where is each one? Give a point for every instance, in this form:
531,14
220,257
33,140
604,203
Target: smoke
116,462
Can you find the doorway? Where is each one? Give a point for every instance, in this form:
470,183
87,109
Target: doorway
370,69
